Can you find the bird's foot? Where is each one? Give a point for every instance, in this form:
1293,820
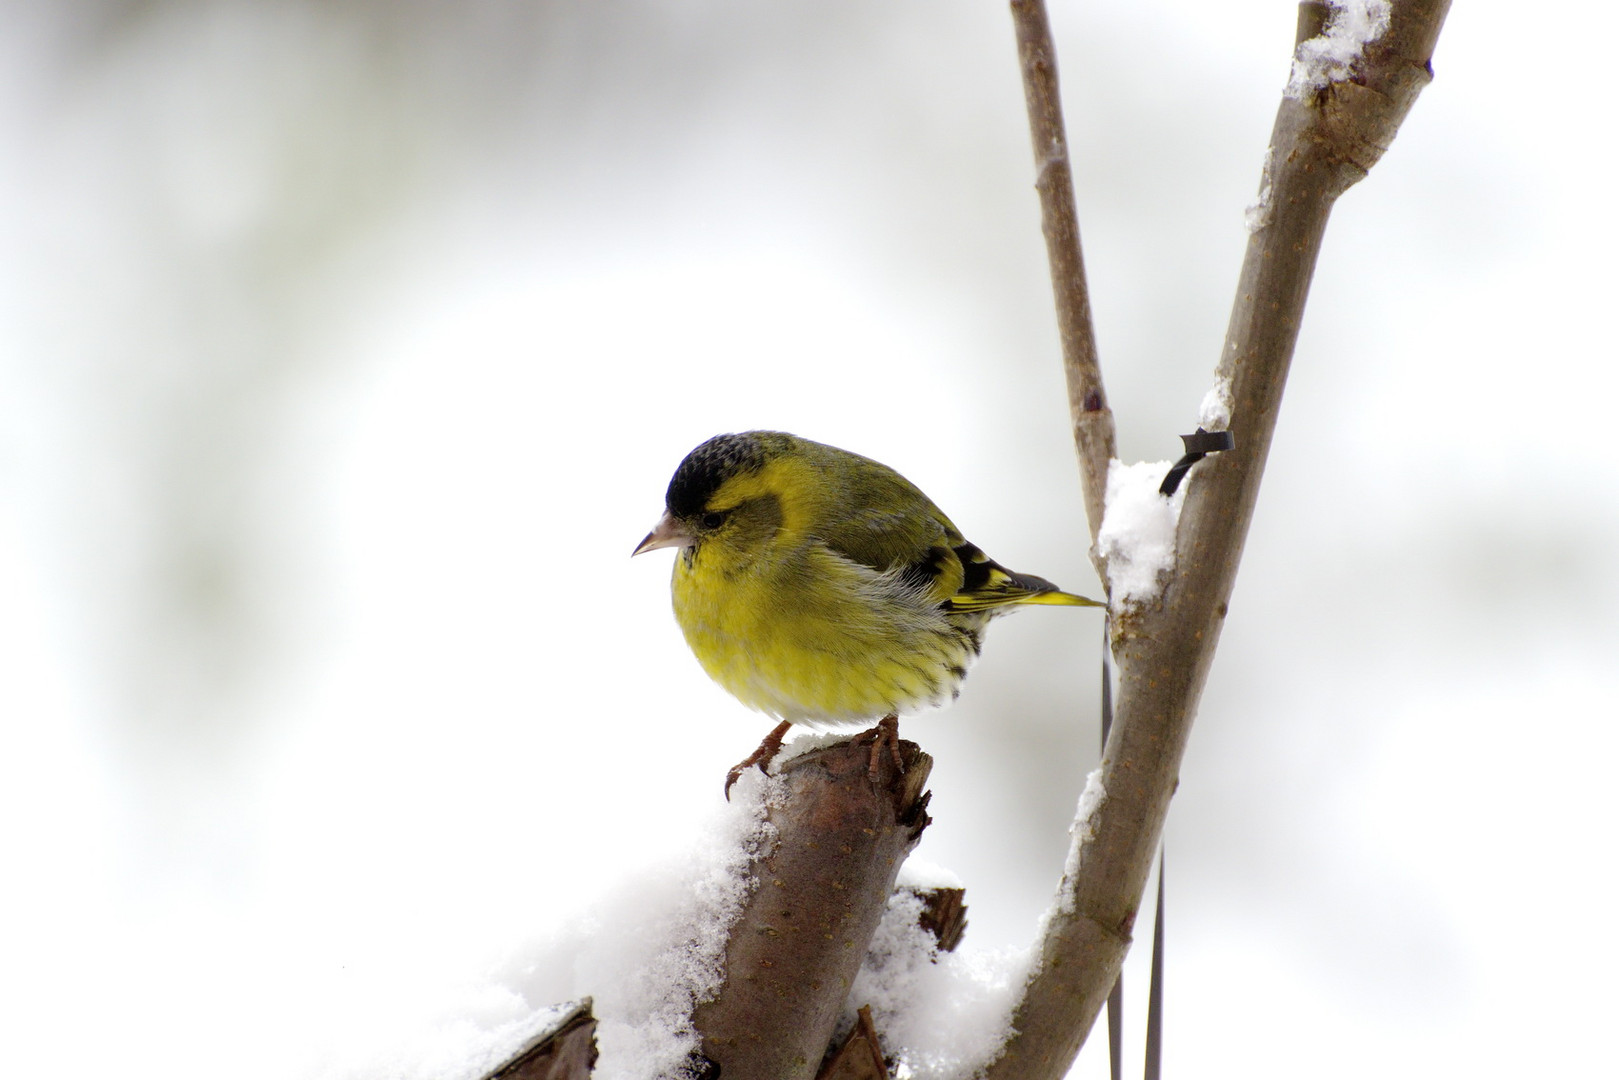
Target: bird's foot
886,733
761,757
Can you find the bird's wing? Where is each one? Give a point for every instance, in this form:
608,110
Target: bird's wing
875,517
885,522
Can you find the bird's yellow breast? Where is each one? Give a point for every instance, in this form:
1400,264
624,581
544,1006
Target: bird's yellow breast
808,636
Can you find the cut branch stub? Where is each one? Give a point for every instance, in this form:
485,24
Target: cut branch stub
821,891
861,1055
944,915
565,1050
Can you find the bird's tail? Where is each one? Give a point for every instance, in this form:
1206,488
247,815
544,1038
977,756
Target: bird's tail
1065,599
991,586
1041,591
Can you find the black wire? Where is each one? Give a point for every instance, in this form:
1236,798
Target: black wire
1198,445
1155,991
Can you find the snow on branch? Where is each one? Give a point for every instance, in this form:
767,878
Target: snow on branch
1137,538
1331,55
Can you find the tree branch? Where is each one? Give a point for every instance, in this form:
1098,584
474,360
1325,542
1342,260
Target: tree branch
1087,401
1322,143
822,889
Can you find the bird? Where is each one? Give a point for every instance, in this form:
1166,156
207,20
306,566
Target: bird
824,589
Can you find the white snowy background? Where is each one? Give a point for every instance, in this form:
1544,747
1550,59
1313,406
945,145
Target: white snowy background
345,352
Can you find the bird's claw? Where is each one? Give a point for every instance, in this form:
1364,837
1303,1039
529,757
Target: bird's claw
886,733
762,757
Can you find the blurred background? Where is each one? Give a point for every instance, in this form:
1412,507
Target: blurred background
346,350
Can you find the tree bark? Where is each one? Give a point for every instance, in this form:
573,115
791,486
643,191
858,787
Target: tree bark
1321,144
822,889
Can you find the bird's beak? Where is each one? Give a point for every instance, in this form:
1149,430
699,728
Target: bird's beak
666,533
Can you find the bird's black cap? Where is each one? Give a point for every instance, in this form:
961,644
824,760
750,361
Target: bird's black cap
710,465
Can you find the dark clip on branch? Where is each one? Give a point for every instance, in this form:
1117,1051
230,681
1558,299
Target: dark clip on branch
1198,446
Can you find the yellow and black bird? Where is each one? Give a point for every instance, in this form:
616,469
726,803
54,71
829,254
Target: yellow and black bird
825,589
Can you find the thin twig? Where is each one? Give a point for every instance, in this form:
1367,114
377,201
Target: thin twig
1321,144
1087,400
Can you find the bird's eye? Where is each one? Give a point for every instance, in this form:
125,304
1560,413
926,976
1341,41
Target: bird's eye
713,519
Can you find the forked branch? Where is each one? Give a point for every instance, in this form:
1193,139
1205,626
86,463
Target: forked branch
1325,139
